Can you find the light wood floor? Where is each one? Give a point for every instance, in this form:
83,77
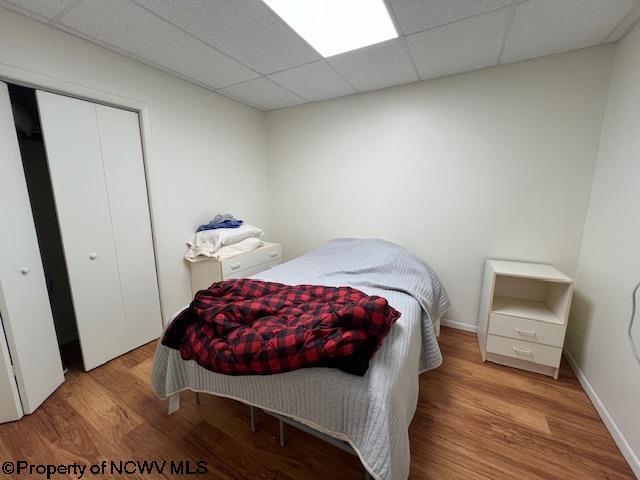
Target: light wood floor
474,421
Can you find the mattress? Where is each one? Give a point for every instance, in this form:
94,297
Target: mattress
371,413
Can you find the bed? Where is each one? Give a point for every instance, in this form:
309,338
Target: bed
370,413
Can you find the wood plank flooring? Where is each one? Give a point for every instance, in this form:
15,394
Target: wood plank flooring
474,421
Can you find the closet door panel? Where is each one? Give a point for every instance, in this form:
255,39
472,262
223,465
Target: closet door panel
126,188
75,164
10,408
24,301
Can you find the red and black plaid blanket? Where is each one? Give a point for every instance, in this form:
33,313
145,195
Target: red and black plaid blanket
251,327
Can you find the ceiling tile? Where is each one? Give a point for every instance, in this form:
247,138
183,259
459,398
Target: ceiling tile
459,47
131,28
247,30
314,81
47,9
377,66
544,27
263,93
417,15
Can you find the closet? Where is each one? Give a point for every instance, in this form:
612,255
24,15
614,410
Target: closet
77,259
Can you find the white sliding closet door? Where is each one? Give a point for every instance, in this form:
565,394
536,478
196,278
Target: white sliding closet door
121,145
24,303
95,161
75,165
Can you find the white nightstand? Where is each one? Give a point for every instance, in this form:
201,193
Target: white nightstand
206,272
523,315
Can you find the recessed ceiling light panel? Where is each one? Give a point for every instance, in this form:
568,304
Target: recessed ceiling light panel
337,26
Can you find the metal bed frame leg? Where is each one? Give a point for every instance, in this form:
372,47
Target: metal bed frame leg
197,398
281,423
252,418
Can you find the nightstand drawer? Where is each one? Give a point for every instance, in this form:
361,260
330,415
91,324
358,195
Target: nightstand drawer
527,351
252,270
249,260
526,329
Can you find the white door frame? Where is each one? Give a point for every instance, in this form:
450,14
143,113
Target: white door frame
27,78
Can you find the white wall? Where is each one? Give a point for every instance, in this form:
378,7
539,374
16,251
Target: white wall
208,152
495,163
609,265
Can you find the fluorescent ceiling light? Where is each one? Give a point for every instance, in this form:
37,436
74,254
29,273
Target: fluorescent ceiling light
336,26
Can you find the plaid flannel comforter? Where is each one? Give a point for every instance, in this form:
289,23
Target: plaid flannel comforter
252,327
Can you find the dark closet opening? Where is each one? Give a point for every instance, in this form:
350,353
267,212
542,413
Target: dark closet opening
36,172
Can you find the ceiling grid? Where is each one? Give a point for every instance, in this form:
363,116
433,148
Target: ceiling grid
245,51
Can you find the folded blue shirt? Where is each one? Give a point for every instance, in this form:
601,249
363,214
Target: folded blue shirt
228,223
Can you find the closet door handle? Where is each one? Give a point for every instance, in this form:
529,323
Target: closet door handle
93,256
25,270
521,351
235,266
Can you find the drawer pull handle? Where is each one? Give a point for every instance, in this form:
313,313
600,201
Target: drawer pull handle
526,332
273,254
235,266
521,351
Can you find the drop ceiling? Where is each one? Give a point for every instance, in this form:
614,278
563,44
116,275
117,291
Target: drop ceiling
242,49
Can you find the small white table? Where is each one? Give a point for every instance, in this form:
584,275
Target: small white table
524,310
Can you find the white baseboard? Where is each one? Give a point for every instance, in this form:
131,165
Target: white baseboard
467,327
618,437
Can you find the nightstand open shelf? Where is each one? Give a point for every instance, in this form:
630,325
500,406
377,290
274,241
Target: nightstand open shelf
524,308
523,315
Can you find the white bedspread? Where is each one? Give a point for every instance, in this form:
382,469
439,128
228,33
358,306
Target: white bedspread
371,413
